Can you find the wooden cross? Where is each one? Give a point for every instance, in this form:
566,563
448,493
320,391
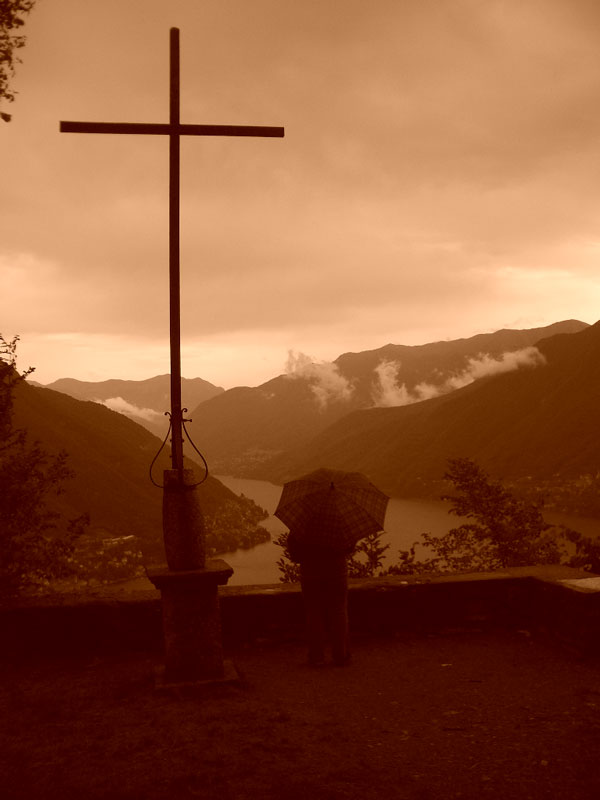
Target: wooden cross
174,130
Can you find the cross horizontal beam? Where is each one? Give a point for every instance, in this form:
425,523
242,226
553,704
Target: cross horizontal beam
174,130
169,130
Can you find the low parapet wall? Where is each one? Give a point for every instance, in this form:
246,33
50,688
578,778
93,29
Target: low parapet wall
556,601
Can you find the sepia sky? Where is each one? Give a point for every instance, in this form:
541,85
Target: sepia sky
439,177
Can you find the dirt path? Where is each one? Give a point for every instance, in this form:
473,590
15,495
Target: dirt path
469,716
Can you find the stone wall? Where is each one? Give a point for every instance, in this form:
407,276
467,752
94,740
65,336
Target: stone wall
554,601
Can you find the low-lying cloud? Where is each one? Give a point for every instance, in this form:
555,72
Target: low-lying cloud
388,392
327,384
122,406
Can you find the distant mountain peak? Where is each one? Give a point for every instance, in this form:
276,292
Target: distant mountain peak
144,401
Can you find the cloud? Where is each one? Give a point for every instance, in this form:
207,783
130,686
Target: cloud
387,391
484,364
326,382
129,410
430,147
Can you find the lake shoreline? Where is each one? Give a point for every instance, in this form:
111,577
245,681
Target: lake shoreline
406,520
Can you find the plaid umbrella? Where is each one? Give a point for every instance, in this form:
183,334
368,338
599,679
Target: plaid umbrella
331,509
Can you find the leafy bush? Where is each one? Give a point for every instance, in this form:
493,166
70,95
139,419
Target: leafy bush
290,570
36,543
504,531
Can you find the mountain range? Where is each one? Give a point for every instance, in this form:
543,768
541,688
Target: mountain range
523,403
536,426
143,401
243,429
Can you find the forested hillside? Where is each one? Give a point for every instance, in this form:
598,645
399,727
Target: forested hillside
110,456
242,429
537,427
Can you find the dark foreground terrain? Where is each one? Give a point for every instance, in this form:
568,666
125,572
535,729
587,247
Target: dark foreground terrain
467,715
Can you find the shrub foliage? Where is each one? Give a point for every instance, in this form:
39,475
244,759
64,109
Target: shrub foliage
502,530
36,543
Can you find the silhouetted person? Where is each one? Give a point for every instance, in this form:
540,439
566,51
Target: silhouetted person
324,579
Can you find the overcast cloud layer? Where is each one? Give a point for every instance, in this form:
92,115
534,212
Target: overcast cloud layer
439,177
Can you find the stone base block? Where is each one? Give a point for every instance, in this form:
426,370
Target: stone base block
192,621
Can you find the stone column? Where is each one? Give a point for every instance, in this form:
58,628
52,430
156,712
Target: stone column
189,589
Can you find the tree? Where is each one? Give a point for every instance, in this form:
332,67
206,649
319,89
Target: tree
507,531
587,551
12,13
36,543
503,531
367,559
290,570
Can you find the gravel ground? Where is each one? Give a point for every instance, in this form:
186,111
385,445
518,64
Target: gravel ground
460,715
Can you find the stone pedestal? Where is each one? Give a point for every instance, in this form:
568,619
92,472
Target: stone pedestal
189,590
191,621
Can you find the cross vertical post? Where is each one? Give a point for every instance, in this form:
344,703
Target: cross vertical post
189,584
174,130
174,255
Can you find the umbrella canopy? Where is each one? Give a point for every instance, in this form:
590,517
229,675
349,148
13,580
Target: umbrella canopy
331,509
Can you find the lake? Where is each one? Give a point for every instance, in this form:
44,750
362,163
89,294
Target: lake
405,521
